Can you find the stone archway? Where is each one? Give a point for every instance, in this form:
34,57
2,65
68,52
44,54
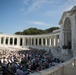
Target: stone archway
67,32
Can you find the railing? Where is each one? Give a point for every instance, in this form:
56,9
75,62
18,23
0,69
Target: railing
66,68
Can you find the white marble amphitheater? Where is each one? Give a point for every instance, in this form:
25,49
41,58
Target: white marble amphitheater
61,43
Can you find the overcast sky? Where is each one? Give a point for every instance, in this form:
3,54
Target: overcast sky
17,15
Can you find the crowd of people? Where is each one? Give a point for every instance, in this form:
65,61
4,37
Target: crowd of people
25,62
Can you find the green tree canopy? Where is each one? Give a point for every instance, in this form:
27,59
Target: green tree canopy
49,30
33,31
19,33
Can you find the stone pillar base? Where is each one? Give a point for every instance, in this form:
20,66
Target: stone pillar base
74,53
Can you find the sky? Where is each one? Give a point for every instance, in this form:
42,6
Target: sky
18,15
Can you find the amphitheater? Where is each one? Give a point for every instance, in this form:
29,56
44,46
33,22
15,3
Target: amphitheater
61,43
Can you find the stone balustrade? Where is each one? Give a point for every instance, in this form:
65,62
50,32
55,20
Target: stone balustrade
23,41
66,68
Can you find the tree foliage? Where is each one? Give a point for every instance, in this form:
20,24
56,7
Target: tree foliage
49,30
31,31
34,31
19,33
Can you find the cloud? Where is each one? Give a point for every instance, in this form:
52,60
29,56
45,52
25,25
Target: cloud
38,4
22,9
26,1
68,5
52,6
38,23
51,13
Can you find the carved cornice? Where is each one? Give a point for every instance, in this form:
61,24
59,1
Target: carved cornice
68,13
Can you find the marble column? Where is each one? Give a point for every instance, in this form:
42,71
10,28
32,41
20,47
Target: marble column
13,41
8,41
46,41
49,41
23,42
54,41
31,41
4,39
34,41
27,41
18,41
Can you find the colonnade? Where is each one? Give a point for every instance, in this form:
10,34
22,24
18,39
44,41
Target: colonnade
23,41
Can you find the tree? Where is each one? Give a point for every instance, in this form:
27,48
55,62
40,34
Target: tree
49,30
19,33
34,31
